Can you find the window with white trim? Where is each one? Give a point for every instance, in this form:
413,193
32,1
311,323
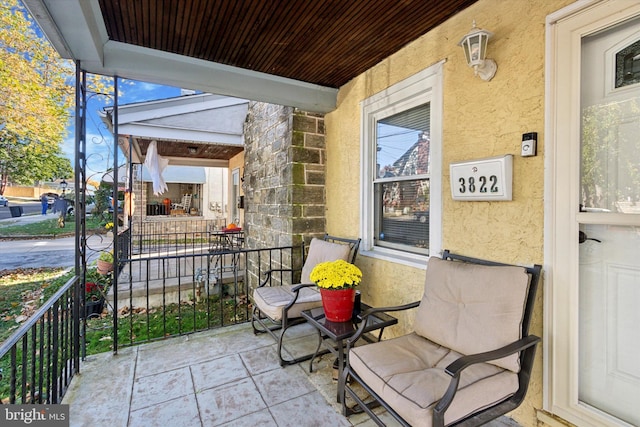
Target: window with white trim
401,174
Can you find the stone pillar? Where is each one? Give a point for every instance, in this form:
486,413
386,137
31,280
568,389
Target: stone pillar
284,176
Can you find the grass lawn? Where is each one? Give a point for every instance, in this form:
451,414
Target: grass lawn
23,291
49,227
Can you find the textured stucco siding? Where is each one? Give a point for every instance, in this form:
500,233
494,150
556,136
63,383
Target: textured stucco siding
480,119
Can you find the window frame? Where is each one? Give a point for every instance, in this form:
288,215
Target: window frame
421,88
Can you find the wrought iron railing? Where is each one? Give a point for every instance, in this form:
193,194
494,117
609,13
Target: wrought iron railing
160,297
167,235
40,358
207,290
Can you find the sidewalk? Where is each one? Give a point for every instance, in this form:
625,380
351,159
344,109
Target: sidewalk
26,219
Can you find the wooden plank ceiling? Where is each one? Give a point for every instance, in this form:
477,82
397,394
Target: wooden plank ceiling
189,149
325,42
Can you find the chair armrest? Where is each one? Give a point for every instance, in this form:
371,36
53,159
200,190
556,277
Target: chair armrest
268,273
372,310
296,289
296,292
455,368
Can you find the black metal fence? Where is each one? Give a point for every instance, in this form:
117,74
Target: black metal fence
200,282
160,297
161,237
40,358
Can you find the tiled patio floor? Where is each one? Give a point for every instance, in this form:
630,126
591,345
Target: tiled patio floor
224,377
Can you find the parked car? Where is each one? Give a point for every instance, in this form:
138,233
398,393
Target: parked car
90,207
3,201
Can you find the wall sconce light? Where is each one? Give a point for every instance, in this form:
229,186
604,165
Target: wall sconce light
475,51
193,150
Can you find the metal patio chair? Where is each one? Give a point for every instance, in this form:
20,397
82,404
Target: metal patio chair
278,307
469,358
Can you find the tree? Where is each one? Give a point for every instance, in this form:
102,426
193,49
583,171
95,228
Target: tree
36,96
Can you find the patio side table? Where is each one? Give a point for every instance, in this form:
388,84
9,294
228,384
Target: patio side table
338,332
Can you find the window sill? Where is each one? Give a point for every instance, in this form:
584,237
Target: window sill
397,257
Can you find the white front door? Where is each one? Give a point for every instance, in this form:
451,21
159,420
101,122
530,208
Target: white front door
609,273
595,364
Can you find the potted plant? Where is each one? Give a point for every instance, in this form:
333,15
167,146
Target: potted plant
108,227
94,299
337,281
105,262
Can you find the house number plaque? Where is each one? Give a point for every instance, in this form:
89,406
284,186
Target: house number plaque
484,179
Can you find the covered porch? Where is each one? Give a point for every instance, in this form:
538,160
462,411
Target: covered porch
226,376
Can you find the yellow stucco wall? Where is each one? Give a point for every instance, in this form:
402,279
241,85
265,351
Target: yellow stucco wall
480,119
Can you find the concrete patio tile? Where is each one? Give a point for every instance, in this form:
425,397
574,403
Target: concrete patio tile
309,410
237,341
261,418
197,348
163,356
153,389
182,411
218,372
282,384
301,345
261,360
100,394
229,402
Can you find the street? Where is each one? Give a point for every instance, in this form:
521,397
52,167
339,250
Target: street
47,252
27,208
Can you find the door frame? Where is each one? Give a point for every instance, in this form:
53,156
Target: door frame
564,31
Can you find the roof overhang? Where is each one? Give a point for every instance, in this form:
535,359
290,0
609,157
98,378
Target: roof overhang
295,53
191,130
77,31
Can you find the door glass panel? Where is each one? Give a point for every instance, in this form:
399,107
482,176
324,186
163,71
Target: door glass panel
610,146
628,65
610,172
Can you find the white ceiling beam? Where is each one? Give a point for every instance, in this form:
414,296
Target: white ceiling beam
180,71
151,131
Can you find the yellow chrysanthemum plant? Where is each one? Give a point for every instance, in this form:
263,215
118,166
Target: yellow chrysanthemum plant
336,275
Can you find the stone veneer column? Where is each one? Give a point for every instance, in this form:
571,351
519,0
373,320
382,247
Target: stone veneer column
284,176
140,190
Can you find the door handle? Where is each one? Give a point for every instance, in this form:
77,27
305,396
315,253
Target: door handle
582,237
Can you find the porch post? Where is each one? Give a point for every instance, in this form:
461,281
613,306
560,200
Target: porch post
80,180
116,239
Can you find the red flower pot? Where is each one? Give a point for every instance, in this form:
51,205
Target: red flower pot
338,303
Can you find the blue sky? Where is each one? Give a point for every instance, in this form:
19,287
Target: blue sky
99,139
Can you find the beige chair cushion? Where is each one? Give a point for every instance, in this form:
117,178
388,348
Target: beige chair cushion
322,251
408,373
472,308
272,299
